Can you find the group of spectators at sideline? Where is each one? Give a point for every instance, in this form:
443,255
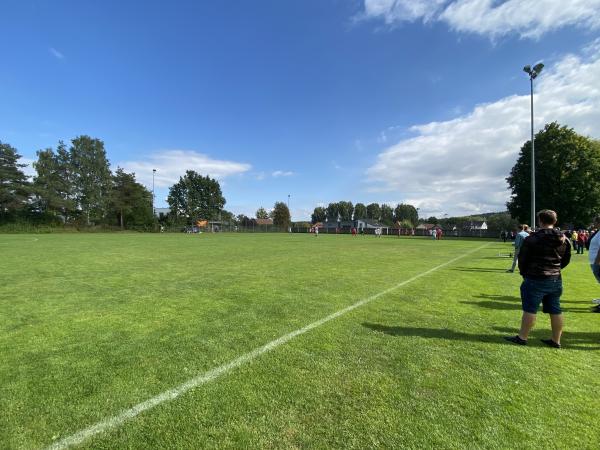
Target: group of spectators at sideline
541,255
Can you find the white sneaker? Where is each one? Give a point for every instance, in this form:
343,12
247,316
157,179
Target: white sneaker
596,301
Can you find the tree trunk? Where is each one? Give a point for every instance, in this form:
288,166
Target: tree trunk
121,219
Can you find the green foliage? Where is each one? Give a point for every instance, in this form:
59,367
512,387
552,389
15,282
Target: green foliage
130,202
405,213
333,212
14,187
387,214
318,215
360,211
281,215
568,176
501,222
261,213
91,177
196,197
53,184
373,211
345,210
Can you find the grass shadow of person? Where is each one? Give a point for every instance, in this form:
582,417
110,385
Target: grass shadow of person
574,340
478,269
502,306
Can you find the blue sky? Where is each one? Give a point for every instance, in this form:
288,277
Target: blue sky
325,100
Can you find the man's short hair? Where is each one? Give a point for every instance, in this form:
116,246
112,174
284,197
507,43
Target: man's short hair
525,227
521,227
547,217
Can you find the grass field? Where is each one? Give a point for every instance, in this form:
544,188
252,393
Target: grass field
94,324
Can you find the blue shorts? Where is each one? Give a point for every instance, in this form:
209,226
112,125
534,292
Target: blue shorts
547,292
596,271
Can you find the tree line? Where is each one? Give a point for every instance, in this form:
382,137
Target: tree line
404,214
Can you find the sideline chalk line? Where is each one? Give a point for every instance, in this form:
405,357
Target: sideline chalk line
171,394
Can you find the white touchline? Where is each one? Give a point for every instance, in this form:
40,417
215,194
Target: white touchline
210,375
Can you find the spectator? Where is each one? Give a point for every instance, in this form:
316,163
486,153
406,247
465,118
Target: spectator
520,237
541,258
594,255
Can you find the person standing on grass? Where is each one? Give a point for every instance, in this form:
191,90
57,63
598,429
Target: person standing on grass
541,257
594,255
581,237
521,236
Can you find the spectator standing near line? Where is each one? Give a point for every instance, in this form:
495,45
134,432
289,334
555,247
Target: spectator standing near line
519,238
439,234
542,256
434,233
581,242
574,237
594,255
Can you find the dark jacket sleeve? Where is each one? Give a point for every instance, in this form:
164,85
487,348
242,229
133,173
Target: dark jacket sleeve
566,258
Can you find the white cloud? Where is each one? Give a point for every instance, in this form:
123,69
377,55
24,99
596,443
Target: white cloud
56,53
282,173
28,170
171,164
527,18
459,166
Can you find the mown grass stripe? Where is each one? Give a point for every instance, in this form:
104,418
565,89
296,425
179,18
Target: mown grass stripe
171,394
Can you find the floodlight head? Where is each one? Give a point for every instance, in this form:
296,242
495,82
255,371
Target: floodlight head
527,69
534,75
538,67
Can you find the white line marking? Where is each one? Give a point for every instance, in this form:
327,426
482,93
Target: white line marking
212,374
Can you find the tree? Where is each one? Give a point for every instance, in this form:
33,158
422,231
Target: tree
333,212
501,222
406,213
318,215
244,220
345,210
261,213
130,202
53,184
281,215
387,214
196,197
14,187
570,185
91,177
432,220
373,211
360,211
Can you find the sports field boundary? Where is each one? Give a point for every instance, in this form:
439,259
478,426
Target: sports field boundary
212,374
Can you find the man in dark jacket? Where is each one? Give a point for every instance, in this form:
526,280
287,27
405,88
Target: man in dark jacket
542,256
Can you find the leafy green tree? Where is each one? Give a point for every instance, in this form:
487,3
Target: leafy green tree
406,213
387,214
91,177
261,213
53,184
345,209
568,181
360,211
244,220
281,215
501,221
130,202
433,220
333,212
196,197
318,215
373,211
14,187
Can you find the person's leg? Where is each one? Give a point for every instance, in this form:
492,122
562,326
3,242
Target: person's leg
527,323
515,259
556,322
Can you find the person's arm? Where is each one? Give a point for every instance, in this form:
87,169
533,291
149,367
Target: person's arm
566,259
523,256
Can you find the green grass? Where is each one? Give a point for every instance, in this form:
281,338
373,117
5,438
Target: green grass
92,324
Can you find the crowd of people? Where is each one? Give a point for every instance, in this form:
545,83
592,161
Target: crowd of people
541,255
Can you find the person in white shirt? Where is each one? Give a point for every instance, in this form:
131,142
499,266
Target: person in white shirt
594,255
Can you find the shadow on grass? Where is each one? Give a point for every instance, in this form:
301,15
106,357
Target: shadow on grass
502,306
572,340
507,302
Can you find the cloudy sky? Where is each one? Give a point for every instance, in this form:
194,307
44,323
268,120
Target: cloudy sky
419,101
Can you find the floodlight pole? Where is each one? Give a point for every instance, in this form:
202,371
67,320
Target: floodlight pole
532,159
153,209
533,73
